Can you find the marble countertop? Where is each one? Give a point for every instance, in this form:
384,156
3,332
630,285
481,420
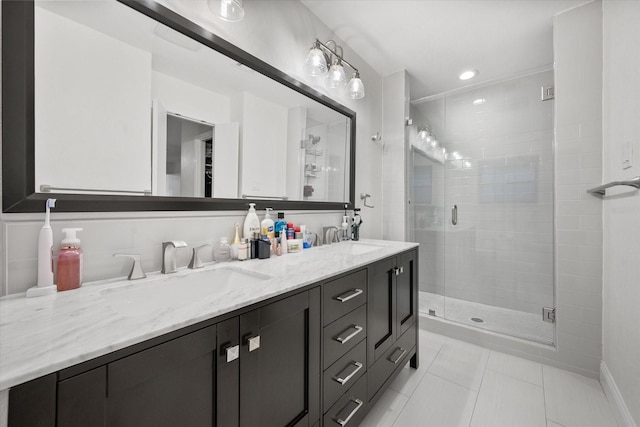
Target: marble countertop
45,334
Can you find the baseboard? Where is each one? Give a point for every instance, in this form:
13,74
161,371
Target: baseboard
620,410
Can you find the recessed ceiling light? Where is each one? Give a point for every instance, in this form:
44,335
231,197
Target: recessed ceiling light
469,74
479,101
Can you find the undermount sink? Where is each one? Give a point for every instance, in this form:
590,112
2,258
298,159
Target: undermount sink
176,290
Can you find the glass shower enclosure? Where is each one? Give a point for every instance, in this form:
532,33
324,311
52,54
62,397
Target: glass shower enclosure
481,206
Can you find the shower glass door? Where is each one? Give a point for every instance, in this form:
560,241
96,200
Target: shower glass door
497,246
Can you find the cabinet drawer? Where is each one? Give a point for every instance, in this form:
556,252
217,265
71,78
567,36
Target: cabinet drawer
392,359
342,295
344,373
351,408
344,334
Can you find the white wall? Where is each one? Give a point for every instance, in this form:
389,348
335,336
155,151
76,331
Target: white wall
621,210
394,197
79,115
278,32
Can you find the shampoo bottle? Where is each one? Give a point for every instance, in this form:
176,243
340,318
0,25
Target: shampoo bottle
280,224
251,223
69,261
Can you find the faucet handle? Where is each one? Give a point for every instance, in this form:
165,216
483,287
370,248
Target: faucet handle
175,243
196,262
136,269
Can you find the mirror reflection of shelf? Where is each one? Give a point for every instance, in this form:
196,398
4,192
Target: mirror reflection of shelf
316,153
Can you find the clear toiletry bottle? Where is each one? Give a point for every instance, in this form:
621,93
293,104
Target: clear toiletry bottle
222,251
235,242
69,261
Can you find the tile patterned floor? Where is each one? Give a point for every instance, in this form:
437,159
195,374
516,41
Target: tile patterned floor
461,384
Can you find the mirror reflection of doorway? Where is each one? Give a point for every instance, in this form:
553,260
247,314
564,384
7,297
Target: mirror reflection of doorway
187,143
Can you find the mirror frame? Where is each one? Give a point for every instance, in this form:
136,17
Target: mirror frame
18,134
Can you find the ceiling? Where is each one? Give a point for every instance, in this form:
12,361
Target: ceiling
435,40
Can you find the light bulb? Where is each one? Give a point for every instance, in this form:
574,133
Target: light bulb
355,87
316,63
336,77
227,10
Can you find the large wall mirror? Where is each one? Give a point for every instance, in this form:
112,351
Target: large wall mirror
122,105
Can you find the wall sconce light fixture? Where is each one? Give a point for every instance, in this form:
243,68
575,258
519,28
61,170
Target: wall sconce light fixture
322,59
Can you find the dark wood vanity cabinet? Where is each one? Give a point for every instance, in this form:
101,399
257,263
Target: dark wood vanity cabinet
317,357
392,310
260,368
280,363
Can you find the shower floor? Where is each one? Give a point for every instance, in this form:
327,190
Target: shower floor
515,323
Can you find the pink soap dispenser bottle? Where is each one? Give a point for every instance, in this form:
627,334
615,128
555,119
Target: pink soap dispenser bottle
69,272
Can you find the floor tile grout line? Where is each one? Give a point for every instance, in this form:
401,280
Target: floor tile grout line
514,377
475,404
544,398
426,371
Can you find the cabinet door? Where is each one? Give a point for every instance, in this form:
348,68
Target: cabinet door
33,404
82,399
228,374
381,310
279,363
406,291
171,384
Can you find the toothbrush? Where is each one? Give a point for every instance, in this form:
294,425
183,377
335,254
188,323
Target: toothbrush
45,249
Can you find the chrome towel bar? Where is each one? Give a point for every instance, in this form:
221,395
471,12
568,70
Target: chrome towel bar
633,182
249,196
46,188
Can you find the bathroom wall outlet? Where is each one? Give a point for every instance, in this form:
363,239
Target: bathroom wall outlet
627,155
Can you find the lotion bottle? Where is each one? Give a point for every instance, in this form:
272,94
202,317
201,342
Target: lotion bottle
69,261
251,223
45,283
267,225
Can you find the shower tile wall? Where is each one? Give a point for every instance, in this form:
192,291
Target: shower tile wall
500,175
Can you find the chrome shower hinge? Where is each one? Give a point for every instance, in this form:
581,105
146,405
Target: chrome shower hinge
549,314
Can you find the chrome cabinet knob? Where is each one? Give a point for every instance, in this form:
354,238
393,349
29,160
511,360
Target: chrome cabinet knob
232,352
254,343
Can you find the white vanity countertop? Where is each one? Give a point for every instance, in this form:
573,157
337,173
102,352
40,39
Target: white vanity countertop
45,334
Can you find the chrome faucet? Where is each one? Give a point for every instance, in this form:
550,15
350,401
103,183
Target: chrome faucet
169,255
330,234
196,262
136,269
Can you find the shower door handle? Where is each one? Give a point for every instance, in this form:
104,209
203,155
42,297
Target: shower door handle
454,215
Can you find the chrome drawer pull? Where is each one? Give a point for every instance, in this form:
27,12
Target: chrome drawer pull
343,340
344,380
403,352
344,421
349,295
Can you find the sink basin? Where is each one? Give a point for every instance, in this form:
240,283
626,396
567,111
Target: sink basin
173,291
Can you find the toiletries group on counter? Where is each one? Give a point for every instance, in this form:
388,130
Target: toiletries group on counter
69,259
262,239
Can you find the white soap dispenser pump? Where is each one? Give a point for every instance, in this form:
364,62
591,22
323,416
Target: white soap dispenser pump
45,284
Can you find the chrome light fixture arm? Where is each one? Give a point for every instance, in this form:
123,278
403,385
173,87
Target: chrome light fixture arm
334,52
